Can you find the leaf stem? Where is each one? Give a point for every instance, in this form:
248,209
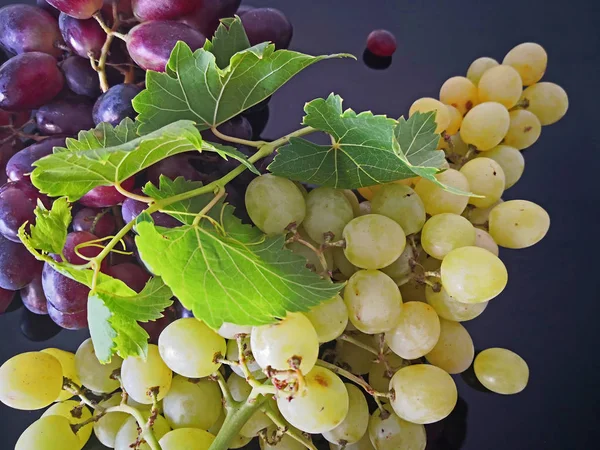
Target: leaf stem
126,193
219,193
224,137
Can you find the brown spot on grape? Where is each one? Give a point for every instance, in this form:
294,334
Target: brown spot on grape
323,381
527,129
469,105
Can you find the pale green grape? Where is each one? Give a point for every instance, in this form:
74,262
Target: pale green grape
459,92
274,202
219,423
67,362
373,301
139,376
365,208
401,268
310,256
501,84
293,337
479,67
454,351
329,319
518,224
30,381
379,377
393,433
443,233
233,354
192,403
402,204
128,433
286,442
341,262
321,406
548,101
141,406
413,291
417,332
455,120
483,239
93,374
238,387
231,330
49,433
353,199
188,347
524,130
239,442
355,358
427,104
75,413
485,125
373,241
530,60
354,426
240,390
501,371
107,427
455,146
511,160
480,216
486,178
437,200
363,444
473,275
450,309
424,394
328,210
186,439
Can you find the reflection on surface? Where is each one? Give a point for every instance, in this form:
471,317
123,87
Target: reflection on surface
36,327
376,62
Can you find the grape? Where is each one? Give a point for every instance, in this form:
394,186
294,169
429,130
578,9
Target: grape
437,200
424,394
393,433
459,92
20,165
29,81
530,60
84,37
189,346
240,391
548,101
131,274
329,319
233,354
456,119
80,9
231,330
65,117
356,422
33,296
479,67
473,275
18,267
458,145
451,309
139,376
480,216
416,332
63,294
427,104
106,196
501,84
286,443
373,300
379,377
454,350
132,208
173,167
27,28
320,407
154,328
501,371
128,433
292,338
328,210
150,43
75,413
115,104
206,18
107,427
524,130
356,359
484,240
402,204
80,77
49,433
363,444
274,202
186,438
373,241
268,25
146,10
443,233
75,239
18,200
67,363
341,262
68,321
47,7
381,43
486,178
30,381
100,223
238,127
485,125
511,160
6,298
92,373
518,224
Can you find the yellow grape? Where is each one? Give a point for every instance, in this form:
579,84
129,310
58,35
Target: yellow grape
456,119
413,291
530,60
437,200
401,268
363,444
427,104
479,67
548,101
357,359
486,178
186,439
417,332
128,433
328,210
49,433
501,84
459,92
524,130
485,125
75,413
107,427
394,433
518,224
501,371
483,239
342,263
454,351
67,362
458,147
480,216
354,426
140,375
231,330
401,204
93,374
443,233
379,377
451,309
329,318
365,208
353,199
511,160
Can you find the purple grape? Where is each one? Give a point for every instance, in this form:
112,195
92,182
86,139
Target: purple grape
21,164
69,321
150,43
82,36
155,327
33,296
76,238
18,200
131,274
14,119
146,10
243,9
238,127
268,24
29,81
106,196
206,19
80,77
80,9
48,8
63,294
115,104
100,223
381,43
173,167
68,116
132,208
7,150
6,298
18,267
124,10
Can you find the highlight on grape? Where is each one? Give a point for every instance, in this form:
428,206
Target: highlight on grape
237,289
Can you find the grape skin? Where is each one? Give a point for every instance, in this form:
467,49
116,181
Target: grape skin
80,9
49,433
192,403
524,130
548,101
530,60
456,119
501,371
394,433
67,363
74,416
480,216
230,330
82,36
451,309
401,268
401,204
286,443
240,391
461,93
356,359
107,427
140,376
115,104
486,178
363,444
92,373
233,354
438,201
381,43
416,333
379,378
80,77
501,84
186,438
485,125
443,233
354,426
328,210
128,433
484,240
18,200
18,267
146,10
68,116
329,319
479,67
268,25
427,104
454,351
511,160
518,224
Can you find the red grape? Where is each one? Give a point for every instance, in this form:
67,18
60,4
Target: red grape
76,238
82,36
268,24
18,200
18,267
173,167
105,196
80,9
146,10
243,9
115,104
80,77
6,298
48,7
100,223
381,43
69,321
131,274
7,150
132,208
33,296
21,164
155,327
68,116
206,19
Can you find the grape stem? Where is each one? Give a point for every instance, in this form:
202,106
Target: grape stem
296,237
243,363
146,433
224,137
72,387
367,347
284,427
126,193
100,67
228,399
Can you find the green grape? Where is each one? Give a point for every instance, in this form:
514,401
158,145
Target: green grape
233,354
548,101
393,433
443,233
413,291
459,92
501,371
286,442
365,208
402,204
188,347
455,120
310,256
530,60
219,423
239,442
373,301
49,433
273,203
240,391
354,426
524,130
401,268
231,330
518,224
356,359
417,332
353,199
450,309
292,338
473,275
128,433
424,394
328,210
140,375
479,67
192,403
75,413
454,351
67,362
373,241
93,374
30,381
321,406
186,439
379,376
341,262
485,125
363,444
511,160
107,427
483,239
427,104
329,319
501,84
238,387
437,200
480,216
486,178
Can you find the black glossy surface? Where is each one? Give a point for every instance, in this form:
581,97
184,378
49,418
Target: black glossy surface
548,313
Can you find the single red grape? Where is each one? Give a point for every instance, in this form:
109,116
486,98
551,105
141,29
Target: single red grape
381,43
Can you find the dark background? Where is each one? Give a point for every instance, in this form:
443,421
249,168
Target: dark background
548,313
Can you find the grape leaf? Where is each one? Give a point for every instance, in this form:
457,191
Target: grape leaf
49,233
229,39
194,88
225,151
103,136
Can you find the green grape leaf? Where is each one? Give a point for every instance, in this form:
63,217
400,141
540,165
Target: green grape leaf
225,152
49,233
103,136
194,88
229,39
